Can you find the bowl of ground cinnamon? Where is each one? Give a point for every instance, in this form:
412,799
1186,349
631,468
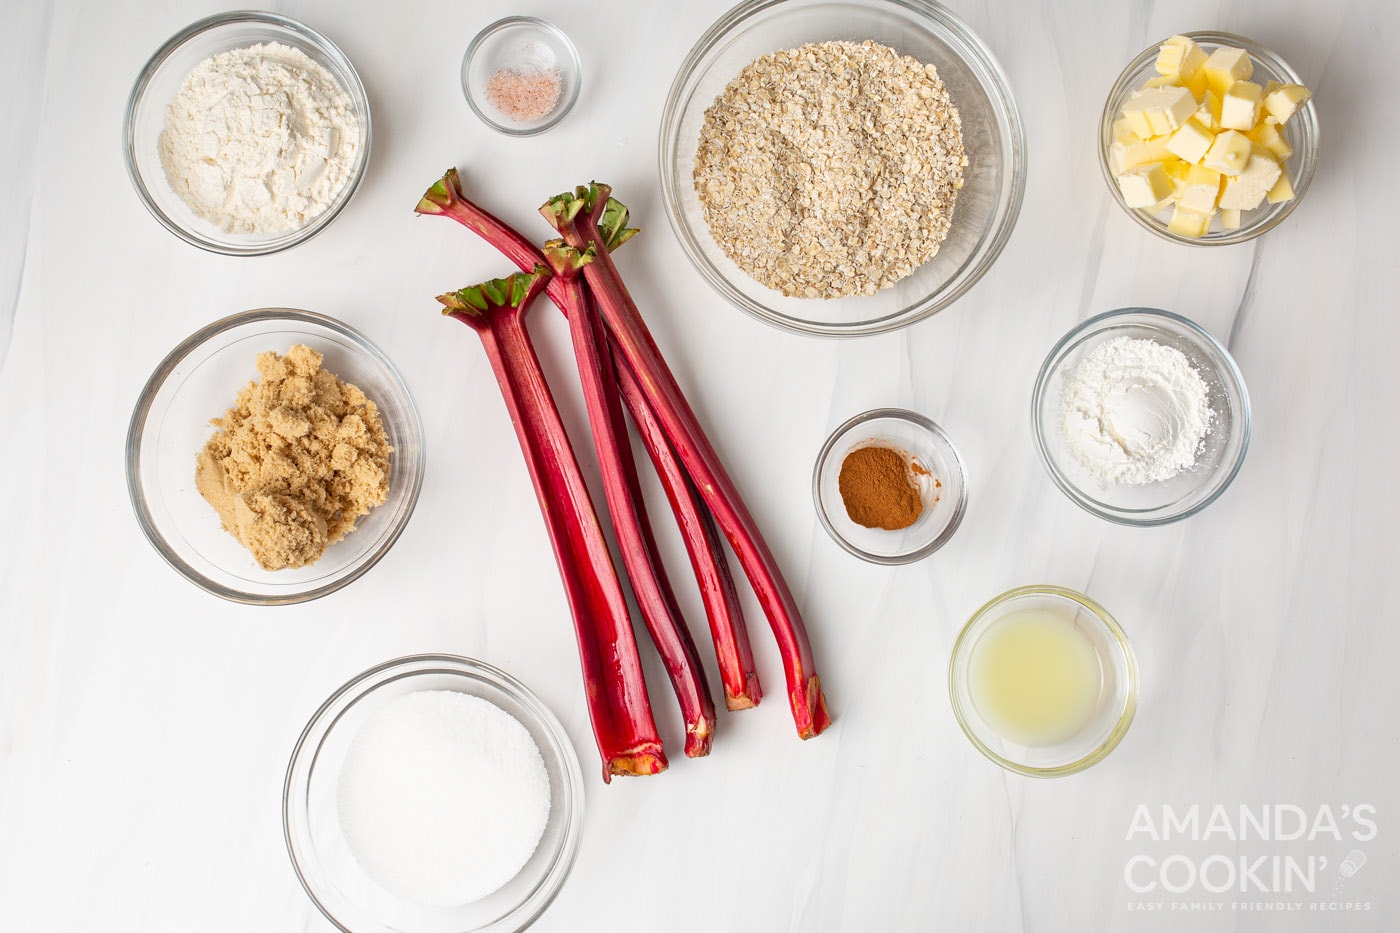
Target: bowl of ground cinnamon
889,486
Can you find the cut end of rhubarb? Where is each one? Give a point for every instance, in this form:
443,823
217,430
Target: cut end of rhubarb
698,738
565,260
752,694
637,764
442,194
513,291
810,711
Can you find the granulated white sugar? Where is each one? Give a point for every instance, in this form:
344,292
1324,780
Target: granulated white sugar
443,797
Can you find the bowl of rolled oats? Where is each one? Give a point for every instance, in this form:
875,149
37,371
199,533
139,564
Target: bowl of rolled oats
841,168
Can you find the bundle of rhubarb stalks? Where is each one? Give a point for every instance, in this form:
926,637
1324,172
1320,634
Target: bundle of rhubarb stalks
620,366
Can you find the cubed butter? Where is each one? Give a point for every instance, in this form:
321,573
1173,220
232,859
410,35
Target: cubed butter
1239,108
1281,191
1180,55
1230,219
1164,81
1284,101
1123,156
1225,66
1200,190
1247,190
1229,153
1208,115
1144,185
1265,135
1123,132
1191,141
1186,222
1156,111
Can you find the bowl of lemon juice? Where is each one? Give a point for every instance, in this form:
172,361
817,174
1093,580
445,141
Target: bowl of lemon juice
1043,681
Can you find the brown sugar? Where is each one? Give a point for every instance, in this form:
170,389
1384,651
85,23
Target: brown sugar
878,489
295,462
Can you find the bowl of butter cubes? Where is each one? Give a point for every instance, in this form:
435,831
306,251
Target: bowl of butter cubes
1209,139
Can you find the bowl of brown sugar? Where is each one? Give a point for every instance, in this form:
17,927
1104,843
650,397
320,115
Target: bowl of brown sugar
274,456
889,486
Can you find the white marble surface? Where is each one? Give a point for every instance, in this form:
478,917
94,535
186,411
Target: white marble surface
145,726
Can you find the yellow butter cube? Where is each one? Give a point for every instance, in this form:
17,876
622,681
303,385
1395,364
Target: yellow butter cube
1284,101
1191,141
1179,55
1144,185
1239,108
1229,153
1123,132
1200,190
1282,190
1164,81
1186,222
1208,115
1265,135
1230,219
1246,190
1156,111
1225,66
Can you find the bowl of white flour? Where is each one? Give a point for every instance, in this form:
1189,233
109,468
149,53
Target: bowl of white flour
247,133
1141,416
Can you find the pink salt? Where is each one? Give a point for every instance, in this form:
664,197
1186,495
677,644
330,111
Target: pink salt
524,96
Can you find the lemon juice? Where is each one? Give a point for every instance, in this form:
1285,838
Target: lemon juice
1035,677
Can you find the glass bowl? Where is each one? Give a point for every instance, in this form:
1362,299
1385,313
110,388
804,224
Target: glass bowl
523,44
323,861
161,79
944,492
994,179
1301,132
1223,449
1118,687
198,381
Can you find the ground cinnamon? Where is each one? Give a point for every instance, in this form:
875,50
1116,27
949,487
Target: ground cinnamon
878,490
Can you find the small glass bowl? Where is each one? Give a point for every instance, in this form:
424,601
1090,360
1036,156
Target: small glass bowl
198,381
1217,462
327,868
994,179
944,492
1117,693
161,79
523,44
1301,132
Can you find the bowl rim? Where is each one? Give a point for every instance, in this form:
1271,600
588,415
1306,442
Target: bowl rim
472,669
136,430
356,92
1310,131
1229,372
995,236
923,423
561,108
962,645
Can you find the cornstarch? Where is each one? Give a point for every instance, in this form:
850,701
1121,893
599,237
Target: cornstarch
1135,412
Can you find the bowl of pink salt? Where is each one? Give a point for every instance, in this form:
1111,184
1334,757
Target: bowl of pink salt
521,75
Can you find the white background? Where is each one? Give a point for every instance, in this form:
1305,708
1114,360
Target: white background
145,726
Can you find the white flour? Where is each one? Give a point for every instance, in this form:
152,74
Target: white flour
259,139
1135,411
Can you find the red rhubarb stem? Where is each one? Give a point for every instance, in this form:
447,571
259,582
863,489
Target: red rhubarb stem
612,672
730,635
702,542
640,555
575,217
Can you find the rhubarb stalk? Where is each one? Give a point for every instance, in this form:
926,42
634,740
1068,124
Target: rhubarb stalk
702,542
722,607
576,218
612,672
640,556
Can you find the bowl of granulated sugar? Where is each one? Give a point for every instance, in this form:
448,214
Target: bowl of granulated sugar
521,75
433,794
